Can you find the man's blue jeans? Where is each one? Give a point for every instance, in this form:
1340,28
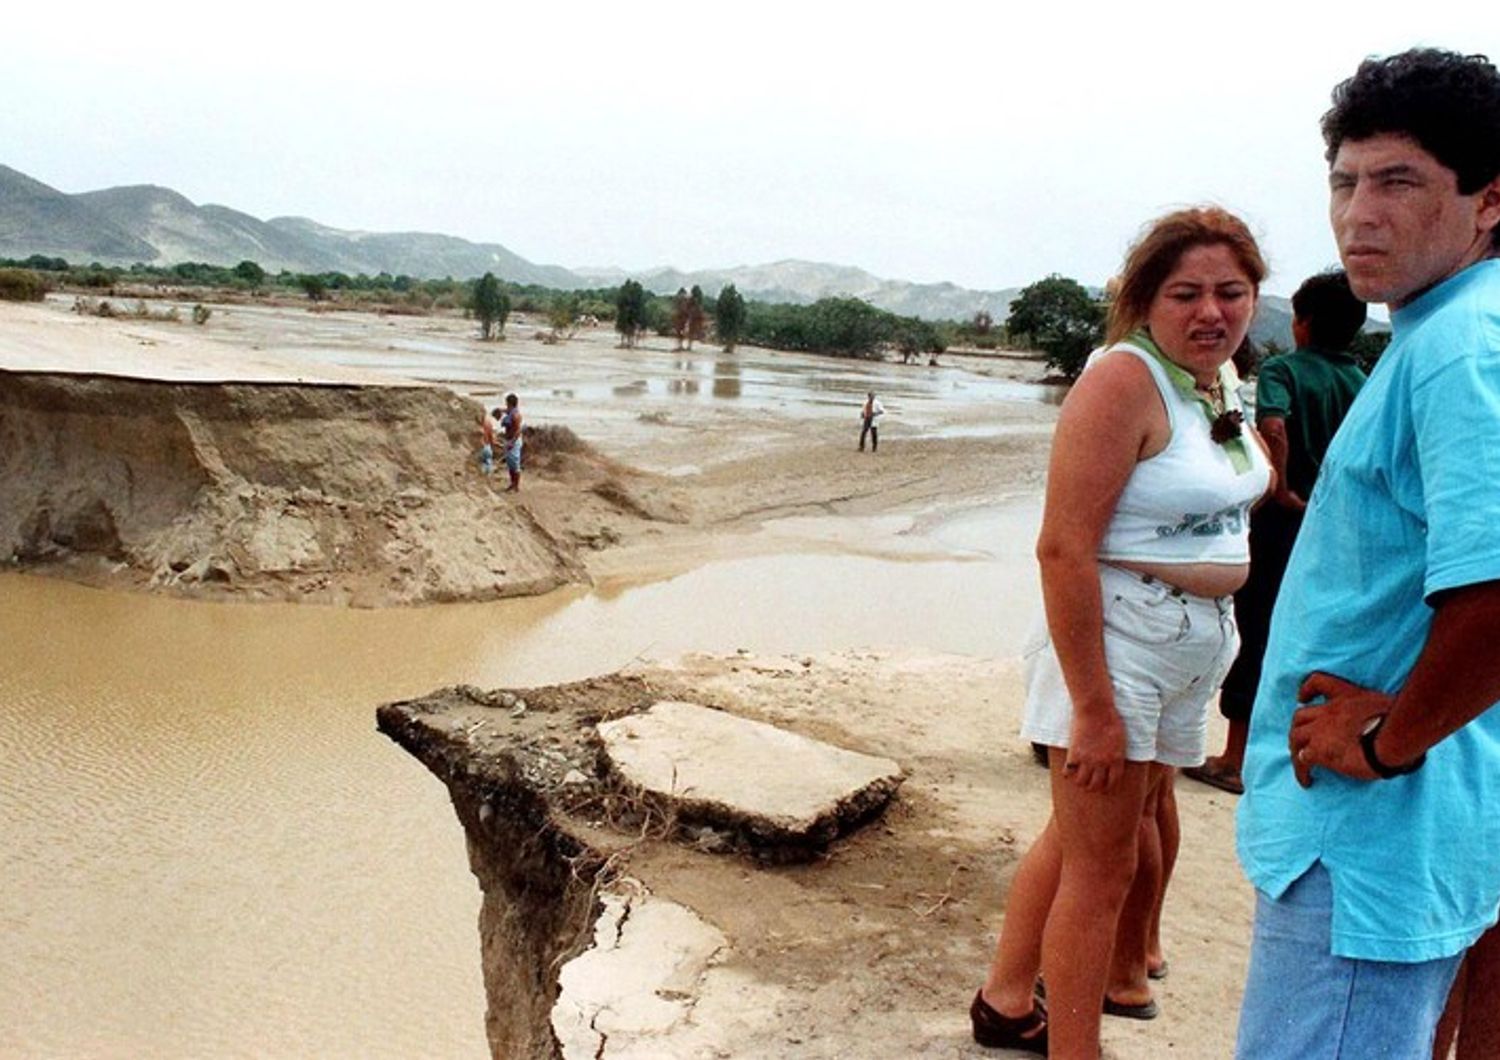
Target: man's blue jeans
1303,1003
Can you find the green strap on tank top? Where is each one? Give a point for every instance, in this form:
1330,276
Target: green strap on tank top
1182,380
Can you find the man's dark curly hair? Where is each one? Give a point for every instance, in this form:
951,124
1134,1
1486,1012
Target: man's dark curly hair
1448,103
1329,309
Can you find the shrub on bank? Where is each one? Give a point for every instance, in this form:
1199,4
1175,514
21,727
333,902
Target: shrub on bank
553,438
22,285
102,307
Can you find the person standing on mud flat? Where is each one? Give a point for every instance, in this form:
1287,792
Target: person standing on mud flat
1370,824
510,432
1145,534
869,417
487,441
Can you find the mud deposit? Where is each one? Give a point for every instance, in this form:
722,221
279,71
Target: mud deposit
360,495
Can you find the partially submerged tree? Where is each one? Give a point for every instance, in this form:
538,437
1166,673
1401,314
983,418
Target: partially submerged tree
1059,318
630,312
729,317
681,310
697,320
491,305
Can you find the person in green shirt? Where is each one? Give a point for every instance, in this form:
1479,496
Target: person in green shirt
1300,399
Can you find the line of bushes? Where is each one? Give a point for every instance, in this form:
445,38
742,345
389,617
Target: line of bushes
845,327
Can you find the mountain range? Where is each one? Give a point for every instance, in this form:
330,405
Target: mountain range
157,226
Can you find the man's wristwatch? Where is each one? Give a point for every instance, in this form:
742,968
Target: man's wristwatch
1367,737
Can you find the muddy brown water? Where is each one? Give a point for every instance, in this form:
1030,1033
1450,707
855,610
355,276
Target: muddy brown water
210,851
206,848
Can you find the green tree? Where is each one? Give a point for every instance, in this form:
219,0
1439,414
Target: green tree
562,314
491,305
22,285
681,311
697,317
729,317
630,312
849,327
251,273
913,337
314,286
1060,319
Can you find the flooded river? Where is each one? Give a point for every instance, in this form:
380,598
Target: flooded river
210,851
207,850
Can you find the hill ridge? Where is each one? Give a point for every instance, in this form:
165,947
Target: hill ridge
157,225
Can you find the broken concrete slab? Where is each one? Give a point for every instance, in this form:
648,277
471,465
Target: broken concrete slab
634,988
772,788
551,825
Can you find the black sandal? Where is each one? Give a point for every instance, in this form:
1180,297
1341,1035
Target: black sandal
992,1030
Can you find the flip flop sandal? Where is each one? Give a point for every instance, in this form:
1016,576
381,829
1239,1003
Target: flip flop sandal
1146,1011
994,1031
1223,779
1159,972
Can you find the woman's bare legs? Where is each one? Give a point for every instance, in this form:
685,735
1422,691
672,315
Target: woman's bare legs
1128,983
1064,905
1011,982
1169,832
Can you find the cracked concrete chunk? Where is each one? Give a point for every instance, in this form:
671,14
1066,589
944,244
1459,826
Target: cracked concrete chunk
766,784
635,986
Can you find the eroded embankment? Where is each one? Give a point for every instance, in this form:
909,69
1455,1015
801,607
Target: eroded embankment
598,815
342,494
538,868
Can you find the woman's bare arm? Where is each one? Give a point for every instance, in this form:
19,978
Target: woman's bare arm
1111,419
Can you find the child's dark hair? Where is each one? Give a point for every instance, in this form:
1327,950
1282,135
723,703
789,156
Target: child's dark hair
1329,309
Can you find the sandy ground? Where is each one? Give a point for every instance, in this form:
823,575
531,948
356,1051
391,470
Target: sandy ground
877,949
901,918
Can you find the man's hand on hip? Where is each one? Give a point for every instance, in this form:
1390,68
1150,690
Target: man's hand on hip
1327,734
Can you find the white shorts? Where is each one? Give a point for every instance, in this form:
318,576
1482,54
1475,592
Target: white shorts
1167,652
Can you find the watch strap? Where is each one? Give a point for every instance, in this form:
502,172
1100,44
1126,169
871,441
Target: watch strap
1379,768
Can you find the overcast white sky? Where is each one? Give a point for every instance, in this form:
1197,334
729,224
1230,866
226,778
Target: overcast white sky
983,144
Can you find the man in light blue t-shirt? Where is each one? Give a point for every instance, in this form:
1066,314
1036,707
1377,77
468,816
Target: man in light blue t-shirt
1371,819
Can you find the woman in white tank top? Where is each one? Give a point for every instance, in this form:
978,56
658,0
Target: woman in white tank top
1144,536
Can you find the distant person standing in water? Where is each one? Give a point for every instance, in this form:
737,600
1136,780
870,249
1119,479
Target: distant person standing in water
869,418
510,433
